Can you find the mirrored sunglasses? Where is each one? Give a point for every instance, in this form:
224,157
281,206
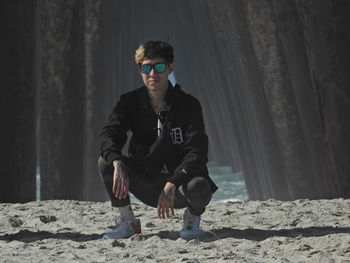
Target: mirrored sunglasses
147,68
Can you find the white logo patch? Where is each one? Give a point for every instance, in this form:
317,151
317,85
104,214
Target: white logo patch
176,135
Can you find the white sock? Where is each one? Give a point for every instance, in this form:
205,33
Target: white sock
126,213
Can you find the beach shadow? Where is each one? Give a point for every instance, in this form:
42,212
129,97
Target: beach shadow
253,234
260,234
28,236
172,235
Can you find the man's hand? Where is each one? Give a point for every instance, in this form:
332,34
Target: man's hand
120,186
165,206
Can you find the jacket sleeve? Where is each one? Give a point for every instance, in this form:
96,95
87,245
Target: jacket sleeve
195,146
114,133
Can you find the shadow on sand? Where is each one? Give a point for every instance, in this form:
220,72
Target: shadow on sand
255,234
260,234
28,236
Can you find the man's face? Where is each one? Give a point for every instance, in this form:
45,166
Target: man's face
154,80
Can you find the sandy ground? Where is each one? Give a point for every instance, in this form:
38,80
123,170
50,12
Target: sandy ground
252,231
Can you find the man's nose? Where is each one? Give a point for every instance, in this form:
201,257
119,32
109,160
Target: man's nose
153,72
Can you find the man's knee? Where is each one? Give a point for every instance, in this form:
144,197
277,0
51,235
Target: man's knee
198,184
199,191
101,161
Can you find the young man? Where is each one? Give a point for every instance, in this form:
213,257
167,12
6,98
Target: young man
166,166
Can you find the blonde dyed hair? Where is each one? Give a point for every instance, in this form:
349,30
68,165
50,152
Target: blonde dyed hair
139,54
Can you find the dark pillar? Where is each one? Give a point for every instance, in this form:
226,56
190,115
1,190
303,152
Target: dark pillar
62,99
278,89
327,36
250,114
292,39
99,73
17,101
302,52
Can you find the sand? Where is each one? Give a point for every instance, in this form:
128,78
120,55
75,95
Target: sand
250,231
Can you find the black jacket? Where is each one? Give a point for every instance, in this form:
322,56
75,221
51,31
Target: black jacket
182,145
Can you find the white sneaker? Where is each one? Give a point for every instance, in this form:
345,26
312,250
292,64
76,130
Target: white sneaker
191,225
124,229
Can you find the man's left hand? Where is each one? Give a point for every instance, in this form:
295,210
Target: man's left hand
165,206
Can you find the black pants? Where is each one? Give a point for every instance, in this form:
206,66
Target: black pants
195,195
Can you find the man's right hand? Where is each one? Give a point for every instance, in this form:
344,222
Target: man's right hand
120,186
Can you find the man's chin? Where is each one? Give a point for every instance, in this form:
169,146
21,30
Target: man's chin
153,87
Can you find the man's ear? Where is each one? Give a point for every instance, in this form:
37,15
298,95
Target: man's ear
171,67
